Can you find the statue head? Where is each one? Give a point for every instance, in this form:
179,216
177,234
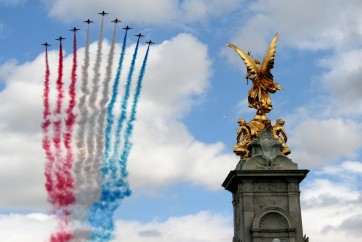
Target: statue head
280,122
241,121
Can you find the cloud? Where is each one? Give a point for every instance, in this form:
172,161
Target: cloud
331,204
303,24
34,227
316,142
201,227
173,82
342,79
158,12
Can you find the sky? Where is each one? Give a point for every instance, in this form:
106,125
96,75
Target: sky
194,91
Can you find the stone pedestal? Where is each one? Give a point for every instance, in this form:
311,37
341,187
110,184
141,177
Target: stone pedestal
265,191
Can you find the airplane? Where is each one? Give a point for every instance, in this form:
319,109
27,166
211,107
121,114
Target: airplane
88,21
60,38
139,35
46,44
127,28
149,42
116,21
74,29
103,13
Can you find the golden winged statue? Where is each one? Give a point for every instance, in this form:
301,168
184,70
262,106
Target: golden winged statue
261,77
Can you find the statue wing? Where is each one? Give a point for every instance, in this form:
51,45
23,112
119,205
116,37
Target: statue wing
268,61
252,67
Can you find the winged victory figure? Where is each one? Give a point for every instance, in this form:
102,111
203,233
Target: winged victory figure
261,77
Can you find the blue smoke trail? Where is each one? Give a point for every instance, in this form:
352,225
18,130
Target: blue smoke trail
110,115
127,145
122,117
102,211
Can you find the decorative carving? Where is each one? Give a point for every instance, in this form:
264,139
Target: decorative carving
270,187
293,187
247,187
273,221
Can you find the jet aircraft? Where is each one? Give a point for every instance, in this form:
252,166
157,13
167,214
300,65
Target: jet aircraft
103,13
46,44
88,21
74,29
139,35
60,38
127,28
116,21
149,42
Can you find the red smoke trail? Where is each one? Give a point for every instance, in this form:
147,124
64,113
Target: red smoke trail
68,191
49,184
63,187
58,109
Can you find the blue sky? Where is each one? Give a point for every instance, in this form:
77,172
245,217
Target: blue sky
194,92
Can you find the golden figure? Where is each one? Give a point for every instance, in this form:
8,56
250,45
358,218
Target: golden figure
278,130
242,139
262,79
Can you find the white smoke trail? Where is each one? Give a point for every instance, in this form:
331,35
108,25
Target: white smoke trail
105,98
80,208
93,174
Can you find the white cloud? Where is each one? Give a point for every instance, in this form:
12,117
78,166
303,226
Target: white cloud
200,227
342,80
173,81
159,12
331,208
316,142
30,227
304,24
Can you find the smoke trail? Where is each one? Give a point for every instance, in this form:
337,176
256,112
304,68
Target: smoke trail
127,145
69,124
70,120
63,196
125,102
92,166
58,122
80,208
105,98
80,138
49,184
116,187
110,116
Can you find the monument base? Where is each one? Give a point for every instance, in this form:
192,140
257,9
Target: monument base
266,205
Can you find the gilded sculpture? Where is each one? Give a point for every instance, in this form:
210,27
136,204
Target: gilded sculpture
259,98
261,77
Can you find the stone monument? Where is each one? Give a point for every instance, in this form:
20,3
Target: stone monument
265,183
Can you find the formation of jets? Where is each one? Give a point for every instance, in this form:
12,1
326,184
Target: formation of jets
88,21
